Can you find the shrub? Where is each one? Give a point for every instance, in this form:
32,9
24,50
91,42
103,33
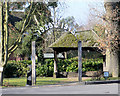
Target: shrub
10,69
16,68
19,68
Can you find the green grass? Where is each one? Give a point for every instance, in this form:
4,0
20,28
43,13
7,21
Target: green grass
9,82
103,79
50,80
114,78
16,82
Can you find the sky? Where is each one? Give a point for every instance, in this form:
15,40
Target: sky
80,9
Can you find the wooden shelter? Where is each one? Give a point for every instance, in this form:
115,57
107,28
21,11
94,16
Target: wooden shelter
69,41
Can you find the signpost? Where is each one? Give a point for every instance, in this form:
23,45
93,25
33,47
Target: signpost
80,61
106,74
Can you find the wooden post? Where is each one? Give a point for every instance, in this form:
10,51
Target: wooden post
33,64
55,65
80,61
65,54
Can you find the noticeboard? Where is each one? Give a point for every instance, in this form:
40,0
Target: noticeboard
51,56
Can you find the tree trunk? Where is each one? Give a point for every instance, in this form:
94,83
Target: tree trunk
55,53
3,38
6,33
1,43
115,64
108,62
112,56
112,63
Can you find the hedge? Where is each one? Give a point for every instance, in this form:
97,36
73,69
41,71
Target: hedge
19,68
16,68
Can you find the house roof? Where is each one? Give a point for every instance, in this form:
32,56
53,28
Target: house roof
68,40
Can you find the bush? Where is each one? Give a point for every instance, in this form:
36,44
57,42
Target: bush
16,68
10,69
87,65
71,65
45,69
19,68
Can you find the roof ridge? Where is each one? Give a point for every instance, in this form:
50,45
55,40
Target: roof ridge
70,40
62,36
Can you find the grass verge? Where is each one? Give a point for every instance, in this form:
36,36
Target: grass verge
103,79
17,82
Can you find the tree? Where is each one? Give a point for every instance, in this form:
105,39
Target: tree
54,5
4,37
24,25
108,36
113,35
36,29
22,29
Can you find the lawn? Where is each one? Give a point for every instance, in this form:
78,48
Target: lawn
15,82
103,79
9,82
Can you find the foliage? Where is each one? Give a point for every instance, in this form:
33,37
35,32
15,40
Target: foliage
38,18
71,65
45,69
107,32
19,68
16,68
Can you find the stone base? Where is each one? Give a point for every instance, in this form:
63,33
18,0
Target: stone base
84,74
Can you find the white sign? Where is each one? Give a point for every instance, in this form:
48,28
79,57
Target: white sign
1,69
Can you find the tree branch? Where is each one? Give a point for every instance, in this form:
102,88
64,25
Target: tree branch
25,21
17,42
6,34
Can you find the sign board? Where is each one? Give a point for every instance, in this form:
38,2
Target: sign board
1,69
106,74
51,55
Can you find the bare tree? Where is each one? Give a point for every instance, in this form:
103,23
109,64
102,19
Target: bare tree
108,35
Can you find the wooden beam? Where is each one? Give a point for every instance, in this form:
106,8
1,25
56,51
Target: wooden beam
33,64
55,64
80,61
65,55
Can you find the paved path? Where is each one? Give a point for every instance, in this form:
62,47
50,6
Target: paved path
71,89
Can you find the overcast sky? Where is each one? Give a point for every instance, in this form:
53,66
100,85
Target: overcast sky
80,9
